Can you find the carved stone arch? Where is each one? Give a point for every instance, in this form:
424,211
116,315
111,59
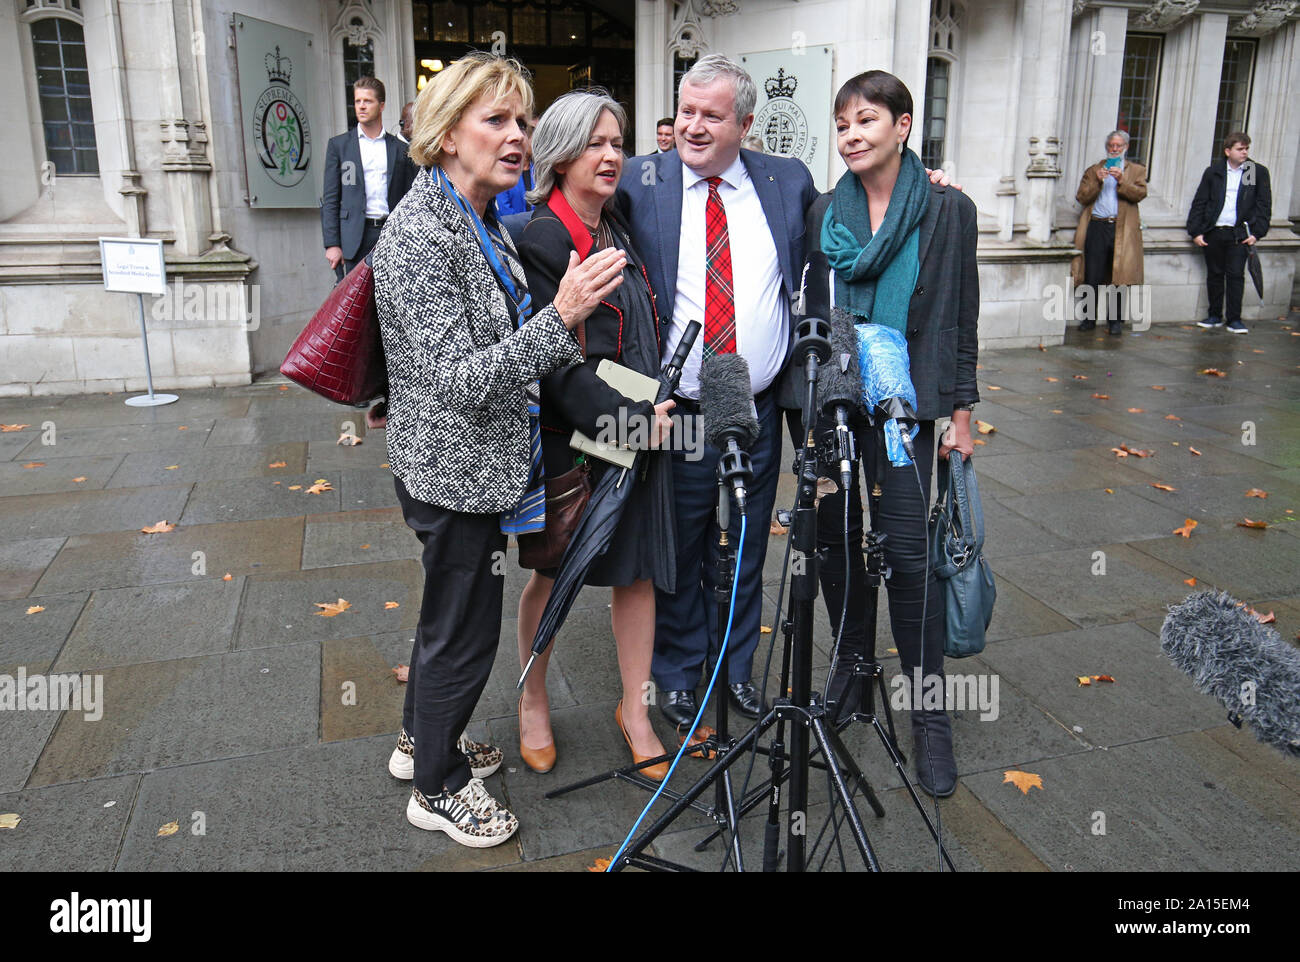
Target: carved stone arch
356,24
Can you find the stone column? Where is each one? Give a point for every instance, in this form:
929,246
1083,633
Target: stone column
1274,125
184,132
654,70
1047,29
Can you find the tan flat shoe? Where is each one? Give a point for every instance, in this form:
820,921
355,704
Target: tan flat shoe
655,772
540,760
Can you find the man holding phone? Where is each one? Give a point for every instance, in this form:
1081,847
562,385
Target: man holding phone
1109,233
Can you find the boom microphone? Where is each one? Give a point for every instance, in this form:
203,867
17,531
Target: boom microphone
1243,664
730,420
839,391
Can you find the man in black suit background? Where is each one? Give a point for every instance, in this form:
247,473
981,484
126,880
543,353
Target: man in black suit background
1230,212
366,173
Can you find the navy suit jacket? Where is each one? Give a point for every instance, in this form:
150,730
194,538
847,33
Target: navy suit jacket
343,205
650,198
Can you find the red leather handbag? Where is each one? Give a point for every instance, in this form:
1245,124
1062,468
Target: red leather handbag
340,354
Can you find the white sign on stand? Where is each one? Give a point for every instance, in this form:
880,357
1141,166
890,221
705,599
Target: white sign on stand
134,265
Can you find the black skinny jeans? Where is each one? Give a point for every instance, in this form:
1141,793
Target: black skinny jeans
903,517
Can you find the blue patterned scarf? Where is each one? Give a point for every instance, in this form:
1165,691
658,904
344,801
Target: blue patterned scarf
529,515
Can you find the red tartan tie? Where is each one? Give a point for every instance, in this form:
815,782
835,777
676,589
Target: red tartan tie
719,298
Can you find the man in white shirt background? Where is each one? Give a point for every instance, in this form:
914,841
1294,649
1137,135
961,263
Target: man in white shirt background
1229,213
366,173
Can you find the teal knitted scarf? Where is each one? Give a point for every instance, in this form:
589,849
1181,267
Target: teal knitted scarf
875,273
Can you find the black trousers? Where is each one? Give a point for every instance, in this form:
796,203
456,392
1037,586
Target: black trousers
1098,262
368,241
456,640
915,601
1225,268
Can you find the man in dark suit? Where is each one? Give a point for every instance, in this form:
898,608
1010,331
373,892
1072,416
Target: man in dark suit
695,211
366,173
1230,212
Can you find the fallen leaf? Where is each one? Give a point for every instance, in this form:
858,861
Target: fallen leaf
1083,680
277,464
274,483
1081,377
1212,371
1110,490
1137,452
1186,529
320,487
1247,523
1190,582
293,487
1267,619
983,427
1107,678
10,820
284,387
1256,493
227,576
183,427
391,604
600,865
351,440
1162,487
365,547
171,467
13,427
1042,347
776,528
1055,411
330,609
1101,397
1120,452
171,828
78,480
1140,411
1172,417
1022,780
162,527
1174,443
384,465
978,441
993,387
321,481
1051,380
34,464
402,672
1157,387
764,629
1194,451
35,609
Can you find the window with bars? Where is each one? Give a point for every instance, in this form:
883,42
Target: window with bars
1139,82
358,62
680,67
1234,91
63,86
937,72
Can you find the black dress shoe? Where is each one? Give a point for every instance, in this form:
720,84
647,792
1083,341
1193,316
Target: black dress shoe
744,698
680,708
936,769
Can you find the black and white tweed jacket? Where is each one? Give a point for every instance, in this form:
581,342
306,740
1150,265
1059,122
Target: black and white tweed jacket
457,367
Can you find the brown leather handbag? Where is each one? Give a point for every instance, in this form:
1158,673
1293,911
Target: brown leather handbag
566,499
340,354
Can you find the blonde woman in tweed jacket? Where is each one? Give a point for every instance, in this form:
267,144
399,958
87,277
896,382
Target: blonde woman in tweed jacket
463,346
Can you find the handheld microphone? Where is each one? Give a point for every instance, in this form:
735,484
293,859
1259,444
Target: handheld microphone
1244,665
672,371
839,391
730,420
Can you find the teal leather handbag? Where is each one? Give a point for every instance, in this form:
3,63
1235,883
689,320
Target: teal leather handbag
957,554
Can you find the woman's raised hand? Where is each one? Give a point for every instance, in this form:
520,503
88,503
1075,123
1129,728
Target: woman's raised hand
586,283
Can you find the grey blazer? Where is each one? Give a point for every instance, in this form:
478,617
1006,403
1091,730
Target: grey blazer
943,320
458,434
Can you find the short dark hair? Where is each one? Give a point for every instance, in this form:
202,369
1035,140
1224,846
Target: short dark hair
1235,138
665,121
880,88
370,83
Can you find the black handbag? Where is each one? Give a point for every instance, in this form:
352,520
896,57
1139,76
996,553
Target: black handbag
956,552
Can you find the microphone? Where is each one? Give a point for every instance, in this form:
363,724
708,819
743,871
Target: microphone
672,371
887,380
839,391
1243,664
730,421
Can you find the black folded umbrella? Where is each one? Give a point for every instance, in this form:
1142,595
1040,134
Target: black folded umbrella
1253,268
596,527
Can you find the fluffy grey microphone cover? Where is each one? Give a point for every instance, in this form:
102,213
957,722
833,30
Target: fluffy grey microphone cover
727,400
840,379
1213,638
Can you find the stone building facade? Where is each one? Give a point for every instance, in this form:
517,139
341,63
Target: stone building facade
128,122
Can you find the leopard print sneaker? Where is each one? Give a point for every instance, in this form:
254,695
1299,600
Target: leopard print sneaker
483,759
471,816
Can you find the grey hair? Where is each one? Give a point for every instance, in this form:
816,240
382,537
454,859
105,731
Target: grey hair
562,134
1122,135
710,68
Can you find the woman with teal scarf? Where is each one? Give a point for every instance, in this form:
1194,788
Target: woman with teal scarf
902,253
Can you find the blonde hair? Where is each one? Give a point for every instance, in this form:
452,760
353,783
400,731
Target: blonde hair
443,101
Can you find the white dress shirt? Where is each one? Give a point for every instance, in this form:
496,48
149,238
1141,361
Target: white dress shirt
1228,216
374,163
762,312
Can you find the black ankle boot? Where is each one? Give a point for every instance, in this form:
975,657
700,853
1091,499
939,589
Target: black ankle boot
936,769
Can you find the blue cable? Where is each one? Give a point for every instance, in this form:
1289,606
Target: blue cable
726,639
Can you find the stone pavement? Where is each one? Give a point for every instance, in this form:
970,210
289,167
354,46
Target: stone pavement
224,690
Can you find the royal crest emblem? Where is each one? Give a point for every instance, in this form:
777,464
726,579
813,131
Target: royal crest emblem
781,123
280,129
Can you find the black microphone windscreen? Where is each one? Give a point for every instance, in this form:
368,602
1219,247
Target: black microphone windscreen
727,401
839,382
1244,664
817,286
